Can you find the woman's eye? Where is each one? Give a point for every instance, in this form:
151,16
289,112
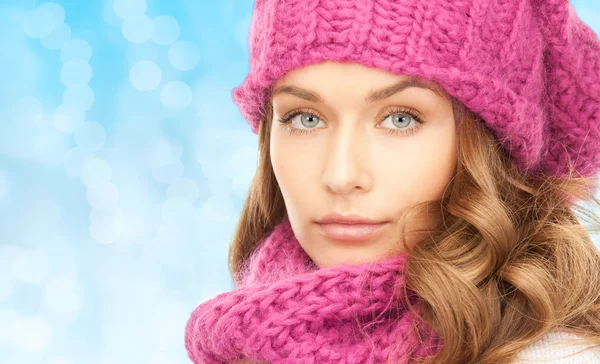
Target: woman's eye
305,120
401,120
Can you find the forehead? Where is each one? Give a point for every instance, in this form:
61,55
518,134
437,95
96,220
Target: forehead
318,82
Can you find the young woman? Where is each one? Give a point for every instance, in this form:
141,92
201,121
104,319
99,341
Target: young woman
420,195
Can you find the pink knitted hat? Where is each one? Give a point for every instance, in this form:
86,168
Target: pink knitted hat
529,68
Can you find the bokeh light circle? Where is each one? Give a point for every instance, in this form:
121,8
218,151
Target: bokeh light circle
176,95
145,75
75,72
76,49
128,8
81,97
184,55
137,29
109,15
45,19
57,38
95,171
166,30
91,136
67,118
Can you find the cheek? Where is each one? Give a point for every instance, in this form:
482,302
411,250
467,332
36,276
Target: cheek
433,173
423,169
294,168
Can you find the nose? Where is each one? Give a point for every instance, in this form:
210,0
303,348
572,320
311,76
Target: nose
346,169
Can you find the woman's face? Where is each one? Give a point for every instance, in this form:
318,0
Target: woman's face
355,149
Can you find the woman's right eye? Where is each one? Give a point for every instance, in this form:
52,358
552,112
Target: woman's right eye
307,120
300,121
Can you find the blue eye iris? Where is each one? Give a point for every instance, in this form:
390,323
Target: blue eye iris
401,120
309,120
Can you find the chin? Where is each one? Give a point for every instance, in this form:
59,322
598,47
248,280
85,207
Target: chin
339,257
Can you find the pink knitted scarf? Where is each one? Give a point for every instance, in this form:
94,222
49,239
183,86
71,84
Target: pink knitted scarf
286,310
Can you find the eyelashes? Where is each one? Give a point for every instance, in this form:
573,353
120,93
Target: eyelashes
285,121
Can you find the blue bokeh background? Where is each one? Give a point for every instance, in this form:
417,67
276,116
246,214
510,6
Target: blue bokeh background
123,169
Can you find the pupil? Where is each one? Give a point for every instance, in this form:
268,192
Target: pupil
400,118
309,119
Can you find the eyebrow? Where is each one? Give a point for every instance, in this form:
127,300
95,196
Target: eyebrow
373,96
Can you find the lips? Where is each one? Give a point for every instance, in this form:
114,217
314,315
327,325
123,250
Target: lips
349,227
350,232
354,219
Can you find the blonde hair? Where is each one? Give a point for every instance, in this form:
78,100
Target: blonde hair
508,262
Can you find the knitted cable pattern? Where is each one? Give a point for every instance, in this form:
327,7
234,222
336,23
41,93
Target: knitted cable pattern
285,310
529,68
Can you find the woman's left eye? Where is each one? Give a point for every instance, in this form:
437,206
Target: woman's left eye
400,121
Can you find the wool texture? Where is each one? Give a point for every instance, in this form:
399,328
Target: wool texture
530,69
286,310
